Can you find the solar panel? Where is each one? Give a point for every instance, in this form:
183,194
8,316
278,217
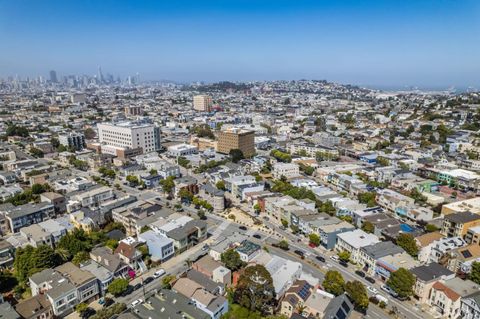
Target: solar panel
466,254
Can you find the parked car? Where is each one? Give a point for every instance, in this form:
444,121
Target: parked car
299,252
127,291
360,273
159,273
389,290
242,227
147,280
343,263
320,258
334,257
88,313
373,290
136,302
108,302
370,280
137,286
257,236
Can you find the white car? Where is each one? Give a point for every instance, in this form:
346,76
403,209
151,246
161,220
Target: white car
373,290
136,302
334,257
159,273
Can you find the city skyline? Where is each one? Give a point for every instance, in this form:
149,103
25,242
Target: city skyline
379,43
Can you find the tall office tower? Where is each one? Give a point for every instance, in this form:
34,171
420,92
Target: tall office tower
202,103
129,135
235,138
53,77
100,75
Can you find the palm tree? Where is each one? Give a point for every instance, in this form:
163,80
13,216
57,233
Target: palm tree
63,254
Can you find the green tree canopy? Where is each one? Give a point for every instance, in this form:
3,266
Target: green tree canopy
344,256
30,260
236,155
407,242
402,281
314,239
80,257
475,272
232,260
333,282
368,227
358,294
118,286
255,289
221,185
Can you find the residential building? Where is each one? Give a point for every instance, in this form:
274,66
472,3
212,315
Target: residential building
425,243
295,297
370,255
426,276
214,306
6,254
353,241
202,103
72,141
168,304
159,247
24,215
36,307
188,235
288,170
235,138
467,205
446,296
441,247
457,224
470,306
214,196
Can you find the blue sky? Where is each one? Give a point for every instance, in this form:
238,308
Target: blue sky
387,43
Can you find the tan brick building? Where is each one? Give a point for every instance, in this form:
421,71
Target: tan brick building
235,138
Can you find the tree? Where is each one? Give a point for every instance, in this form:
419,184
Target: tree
168,184
89,133
236,155
30,260
221,185
283,244
201,215
14,130
7,281
475,272
284,223
132,180
118,286
185,194
358,294
314,239
232,260
255,289
401,281
167,281
333,282
368,227
36,152
81,308
344,256
80,257
153,172
75,242
111,243
367,198
430,228
182,161
407,242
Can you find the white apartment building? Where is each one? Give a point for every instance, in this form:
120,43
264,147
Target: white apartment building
289,170
129,135
353,241
202,103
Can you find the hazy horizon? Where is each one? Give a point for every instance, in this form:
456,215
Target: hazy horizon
429,44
